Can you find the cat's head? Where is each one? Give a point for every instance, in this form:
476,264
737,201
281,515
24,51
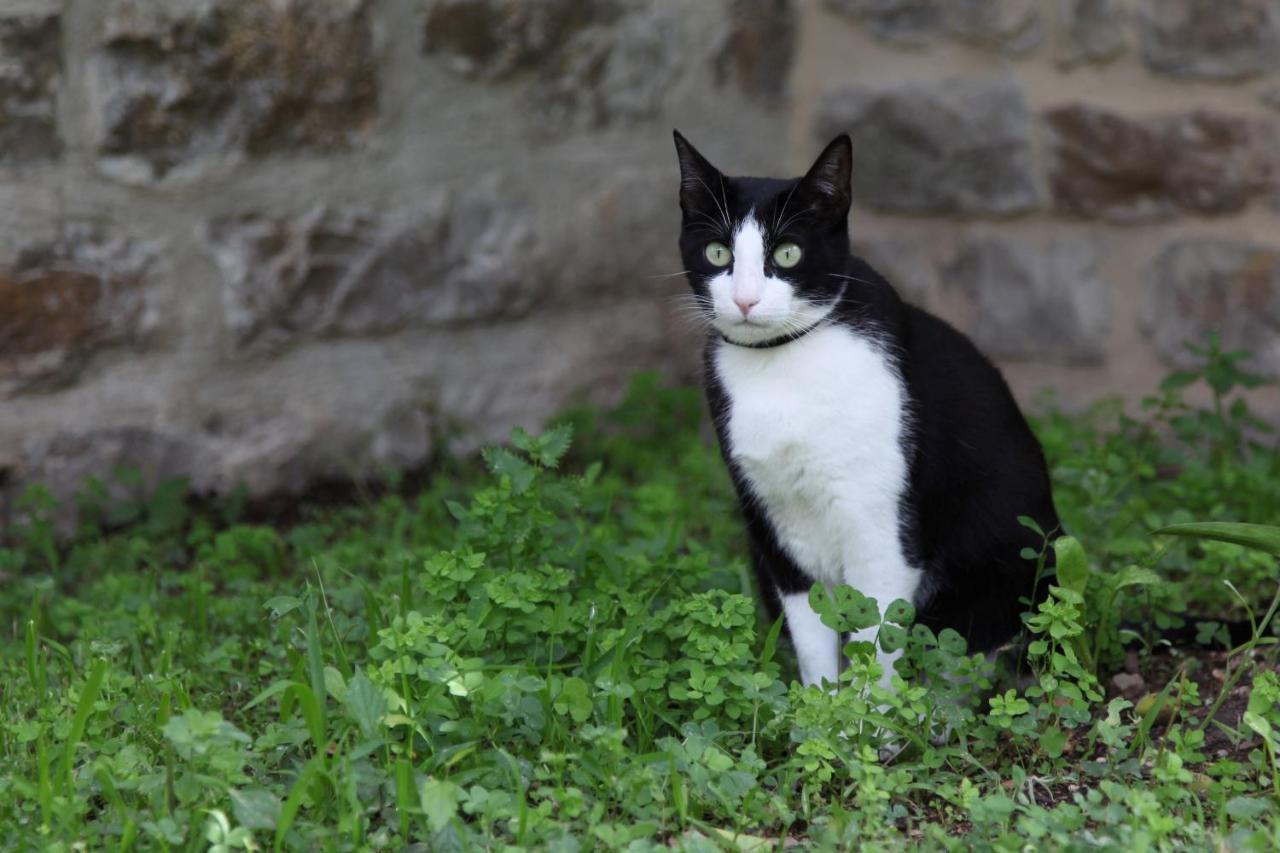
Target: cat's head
764,256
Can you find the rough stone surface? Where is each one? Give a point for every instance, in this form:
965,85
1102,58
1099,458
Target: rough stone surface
64,461
1091,31
905,22
498,38
1218,40
1271,97
592,62
332,273
903,262
1203,285
1011,26
175,87
30,69
1043,305
961,146
1130,170
758,46
62,300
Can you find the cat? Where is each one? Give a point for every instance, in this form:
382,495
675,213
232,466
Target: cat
869,442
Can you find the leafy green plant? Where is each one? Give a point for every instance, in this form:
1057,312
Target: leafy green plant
558,646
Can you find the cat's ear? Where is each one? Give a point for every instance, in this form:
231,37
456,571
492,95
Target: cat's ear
697,177
828,179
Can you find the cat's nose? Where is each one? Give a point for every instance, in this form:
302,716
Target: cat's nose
745,304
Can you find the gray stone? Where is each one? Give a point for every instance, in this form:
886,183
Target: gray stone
340,273
587,62
903,262
30,69
178,88
613,74
1109,166
1010,26
1038,304
758,46
498,38
63,300
64,461
905,22
961,146
1091,31
1219,40
1195,287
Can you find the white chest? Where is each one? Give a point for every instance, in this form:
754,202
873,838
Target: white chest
816,427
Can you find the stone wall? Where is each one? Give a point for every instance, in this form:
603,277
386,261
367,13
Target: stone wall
1082,185
273,242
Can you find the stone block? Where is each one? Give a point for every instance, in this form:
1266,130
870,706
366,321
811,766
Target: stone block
960,146
63,300
1199,286
758,46
1009,26
326,272
1106,165
30,72
586,62
1091,31
176,88
1042,304
1217,40
903,262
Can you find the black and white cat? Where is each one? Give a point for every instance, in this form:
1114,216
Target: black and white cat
870,443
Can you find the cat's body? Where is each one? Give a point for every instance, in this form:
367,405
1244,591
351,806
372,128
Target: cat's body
870,443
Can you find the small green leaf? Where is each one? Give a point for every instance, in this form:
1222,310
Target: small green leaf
1053,741
255,808
365,704
552,445
282,604
1072,566
504,463
843,608
439,801
900,612
892,637
1261,537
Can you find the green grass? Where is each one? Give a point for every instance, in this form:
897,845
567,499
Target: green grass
560,649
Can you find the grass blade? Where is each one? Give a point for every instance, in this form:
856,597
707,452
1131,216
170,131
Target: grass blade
1261,537
88,695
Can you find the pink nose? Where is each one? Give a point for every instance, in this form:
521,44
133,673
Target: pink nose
745,304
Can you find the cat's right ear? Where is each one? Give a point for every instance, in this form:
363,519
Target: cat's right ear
697,177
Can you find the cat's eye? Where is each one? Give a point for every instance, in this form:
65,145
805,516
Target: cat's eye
786,255
718,254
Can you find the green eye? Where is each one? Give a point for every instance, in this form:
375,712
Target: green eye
718,254
786,255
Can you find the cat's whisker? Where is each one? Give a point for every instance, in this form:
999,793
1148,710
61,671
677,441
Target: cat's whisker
852,278
724,212
668,274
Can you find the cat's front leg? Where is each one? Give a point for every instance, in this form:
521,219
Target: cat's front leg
817,646
886,582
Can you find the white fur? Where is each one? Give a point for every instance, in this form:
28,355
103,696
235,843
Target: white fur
815,426
817,646
777,312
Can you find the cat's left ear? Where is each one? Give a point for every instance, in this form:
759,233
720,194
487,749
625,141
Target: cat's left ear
828,180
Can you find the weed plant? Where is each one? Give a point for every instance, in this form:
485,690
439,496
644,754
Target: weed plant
561,649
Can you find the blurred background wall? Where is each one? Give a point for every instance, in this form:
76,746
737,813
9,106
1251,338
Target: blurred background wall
273,243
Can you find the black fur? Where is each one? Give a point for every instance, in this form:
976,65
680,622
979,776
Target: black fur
974,464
